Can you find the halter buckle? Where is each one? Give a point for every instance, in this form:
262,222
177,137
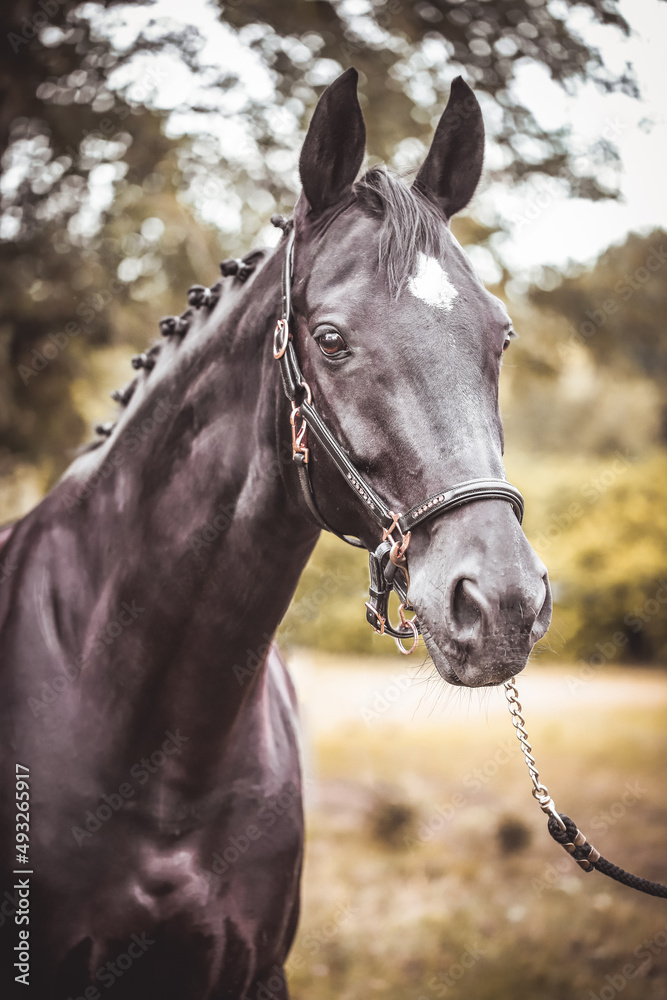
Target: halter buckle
407,623
379,628
387,533
299,450
281,336
399,547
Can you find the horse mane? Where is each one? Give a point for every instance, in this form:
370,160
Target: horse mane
412,225
176,328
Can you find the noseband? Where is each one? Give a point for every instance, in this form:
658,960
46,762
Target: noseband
388,563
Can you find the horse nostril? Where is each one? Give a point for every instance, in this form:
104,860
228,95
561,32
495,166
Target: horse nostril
162,887
543,617
520,610
468,610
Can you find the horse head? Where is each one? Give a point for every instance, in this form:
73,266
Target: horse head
401,346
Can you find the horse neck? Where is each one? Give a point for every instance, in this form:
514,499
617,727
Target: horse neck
193,524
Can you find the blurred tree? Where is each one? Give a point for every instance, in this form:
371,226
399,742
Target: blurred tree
87,190
89,193
605,542
615,310
556,398
101,231
408,54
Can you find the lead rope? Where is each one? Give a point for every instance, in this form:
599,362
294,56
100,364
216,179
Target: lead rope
563,830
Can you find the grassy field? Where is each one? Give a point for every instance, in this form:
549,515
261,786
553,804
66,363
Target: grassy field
429,871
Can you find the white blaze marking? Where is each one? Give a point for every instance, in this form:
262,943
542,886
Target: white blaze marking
431,284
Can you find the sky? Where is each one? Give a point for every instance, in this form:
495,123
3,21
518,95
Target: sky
545,226
551,228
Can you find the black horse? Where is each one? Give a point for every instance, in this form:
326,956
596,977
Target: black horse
145,711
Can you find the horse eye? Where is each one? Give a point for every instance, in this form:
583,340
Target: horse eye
331,343
506,344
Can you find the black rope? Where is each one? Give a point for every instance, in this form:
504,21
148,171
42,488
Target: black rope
588,858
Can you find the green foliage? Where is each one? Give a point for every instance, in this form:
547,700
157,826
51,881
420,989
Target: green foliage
588,372
604,540
614,311
78,274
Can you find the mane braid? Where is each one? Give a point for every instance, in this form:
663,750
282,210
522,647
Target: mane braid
411,224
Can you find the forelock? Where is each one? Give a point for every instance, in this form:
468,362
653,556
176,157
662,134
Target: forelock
411,225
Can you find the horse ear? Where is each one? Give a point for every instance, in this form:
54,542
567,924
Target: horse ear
335,144
451,171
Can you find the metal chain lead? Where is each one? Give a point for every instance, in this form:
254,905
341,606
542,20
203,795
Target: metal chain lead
540,791
564,830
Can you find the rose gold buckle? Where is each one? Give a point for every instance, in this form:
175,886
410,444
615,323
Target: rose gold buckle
280,339
410,623
306,388
378,617
399,547
398,550
387,533
298,436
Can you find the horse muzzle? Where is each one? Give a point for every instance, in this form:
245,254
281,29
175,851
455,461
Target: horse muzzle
484,606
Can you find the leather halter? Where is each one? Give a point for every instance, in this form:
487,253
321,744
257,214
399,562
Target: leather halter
389,557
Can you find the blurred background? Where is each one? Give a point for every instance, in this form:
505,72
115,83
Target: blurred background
142,143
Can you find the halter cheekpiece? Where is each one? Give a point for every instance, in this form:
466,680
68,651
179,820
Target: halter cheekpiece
388,563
